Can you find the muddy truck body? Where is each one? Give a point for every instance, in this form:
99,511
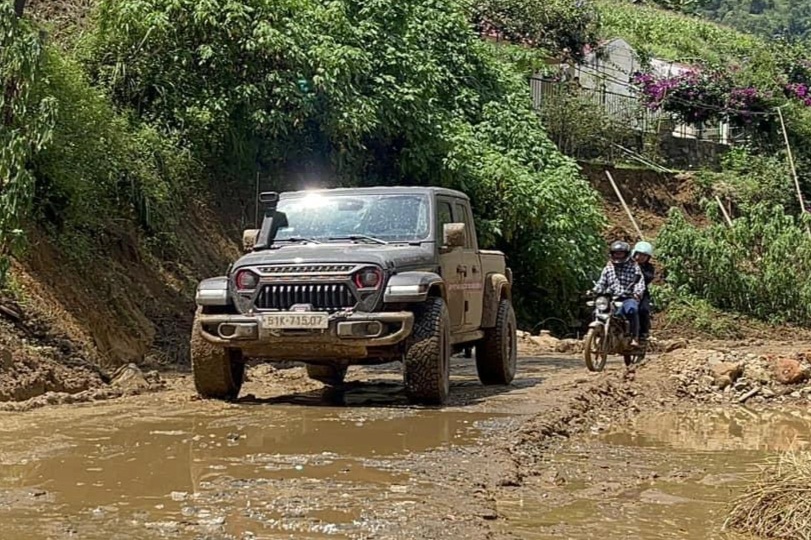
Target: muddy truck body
360,276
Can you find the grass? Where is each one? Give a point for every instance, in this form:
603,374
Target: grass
778,505
674,36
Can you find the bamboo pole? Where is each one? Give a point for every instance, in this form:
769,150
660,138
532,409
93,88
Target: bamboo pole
625,206
793,168
723,210
791,161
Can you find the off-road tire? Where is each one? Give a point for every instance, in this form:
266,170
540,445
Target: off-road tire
426,366
496,353
329,375
595,359
218,372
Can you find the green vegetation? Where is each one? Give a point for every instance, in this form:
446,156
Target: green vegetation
560,27
27,121
760,266
674,36
788,19
167,98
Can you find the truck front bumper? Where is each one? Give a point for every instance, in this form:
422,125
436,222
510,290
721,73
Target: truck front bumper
348,335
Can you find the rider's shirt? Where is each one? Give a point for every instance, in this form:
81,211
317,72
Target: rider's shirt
618,279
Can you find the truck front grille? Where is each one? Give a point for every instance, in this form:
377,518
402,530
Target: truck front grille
323,297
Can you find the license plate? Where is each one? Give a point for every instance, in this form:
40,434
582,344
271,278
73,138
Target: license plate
295,321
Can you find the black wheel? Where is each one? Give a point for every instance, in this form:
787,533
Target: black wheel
218,371
496,354
594,350
329,375
426,366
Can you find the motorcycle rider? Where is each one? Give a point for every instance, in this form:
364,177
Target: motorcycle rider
643,253
620,276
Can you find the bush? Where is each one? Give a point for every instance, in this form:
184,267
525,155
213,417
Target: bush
761,266
26,123
582,128
99,167
747,180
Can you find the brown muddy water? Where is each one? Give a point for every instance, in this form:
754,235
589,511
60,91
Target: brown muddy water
190,469
217,471
667,475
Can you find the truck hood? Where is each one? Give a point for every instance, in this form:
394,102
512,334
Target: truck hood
399,256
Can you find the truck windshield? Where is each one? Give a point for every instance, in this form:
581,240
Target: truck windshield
325,217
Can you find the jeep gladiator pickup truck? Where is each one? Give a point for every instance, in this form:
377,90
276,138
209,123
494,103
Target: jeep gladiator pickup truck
342,277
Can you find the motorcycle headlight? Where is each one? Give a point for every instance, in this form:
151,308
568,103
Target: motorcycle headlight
601,303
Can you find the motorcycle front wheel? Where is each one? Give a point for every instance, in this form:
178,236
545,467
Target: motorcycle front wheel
594,350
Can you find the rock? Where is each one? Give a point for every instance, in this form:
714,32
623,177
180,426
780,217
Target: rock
726,373
790,371
569,346
5,359
129,377
545,341
767,392
755,371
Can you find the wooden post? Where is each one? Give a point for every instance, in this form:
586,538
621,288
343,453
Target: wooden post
19,7
256,202
625,206
791,161
793,169
723,210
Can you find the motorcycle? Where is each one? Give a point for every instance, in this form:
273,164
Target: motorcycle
609,333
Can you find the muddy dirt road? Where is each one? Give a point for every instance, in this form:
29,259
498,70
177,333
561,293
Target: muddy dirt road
560,454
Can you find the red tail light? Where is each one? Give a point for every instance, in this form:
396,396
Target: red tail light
368,278
246,280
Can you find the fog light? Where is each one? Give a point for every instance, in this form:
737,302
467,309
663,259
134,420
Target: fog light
226,330
360,329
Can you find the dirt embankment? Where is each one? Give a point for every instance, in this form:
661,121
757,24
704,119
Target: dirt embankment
72,316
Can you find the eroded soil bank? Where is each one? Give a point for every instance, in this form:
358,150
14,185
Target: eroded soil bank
561,453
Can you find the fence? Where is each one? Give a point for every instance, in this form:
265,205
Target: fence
628,108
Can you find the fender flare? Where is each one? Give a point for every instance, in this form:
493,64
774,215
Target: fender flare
496,287
411,287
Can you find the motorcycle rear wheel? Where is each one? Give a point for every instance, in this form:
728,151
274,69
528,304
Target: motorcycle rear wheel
594,350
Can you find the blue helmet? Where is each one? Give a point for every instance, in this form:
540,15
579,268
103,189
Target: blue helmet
645,248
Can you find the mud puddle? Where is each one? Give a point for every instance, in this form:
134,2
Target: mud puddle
201,470
667,475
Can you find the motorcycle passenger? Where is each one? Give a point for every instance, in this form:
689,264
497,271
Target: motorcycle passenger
620,277
643,253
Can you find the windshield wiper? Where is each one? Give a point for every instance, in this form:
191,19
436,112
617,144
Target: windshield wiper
356,237
297,240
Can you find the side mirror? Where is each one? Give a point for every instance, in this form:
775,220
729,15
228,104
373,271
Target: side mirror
249,237
453,235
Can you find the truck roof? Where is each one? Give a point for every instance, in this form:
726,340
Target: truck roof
380,190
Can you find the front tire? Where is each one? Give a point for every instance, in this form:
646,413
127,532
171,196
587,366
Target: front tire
496,354
594,350
426,366
218,371
326,374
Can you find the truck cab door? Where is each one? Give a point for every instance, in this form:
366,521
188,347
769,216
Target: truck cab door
471,270
449,262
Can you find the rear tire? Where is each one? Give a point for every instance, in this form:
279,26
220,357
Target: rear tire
326,374
426,366
218,371
496,354
593,350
